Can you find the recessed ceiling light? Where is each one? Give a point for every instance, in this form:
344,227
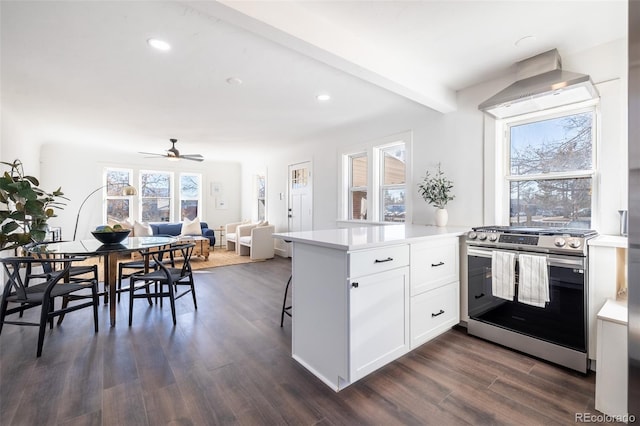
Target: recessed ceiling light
158,44
323,97
234,81
525,40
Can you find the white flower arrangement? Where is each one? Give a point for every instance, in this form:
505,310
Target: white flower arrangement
436,189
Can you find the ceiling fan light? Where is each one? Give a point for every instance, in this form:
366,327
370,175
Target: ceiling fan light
172,158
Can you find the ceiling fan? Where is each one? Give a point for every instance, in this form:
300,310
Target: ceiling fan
174,154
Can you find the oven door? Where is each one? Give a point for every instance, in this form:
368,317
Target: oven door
562,321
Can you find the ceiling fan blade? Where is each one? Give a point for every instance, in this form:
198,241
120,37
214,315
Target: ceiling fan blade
152,153
192,155
192,158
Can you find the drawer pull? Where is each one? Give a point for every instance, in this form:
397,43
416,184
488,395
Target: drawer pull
479,296
439,313
433,265
388,259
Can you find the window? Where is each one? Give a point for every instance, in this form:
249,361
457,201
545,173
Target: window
358,176
374,180
261,193
118,207
392,183
155,196
550,170
190,195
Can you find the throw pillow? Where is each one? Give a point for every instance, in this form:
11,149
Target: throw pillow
142,229
191,227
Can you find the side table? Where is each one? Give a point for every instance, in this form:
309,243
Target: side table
220,230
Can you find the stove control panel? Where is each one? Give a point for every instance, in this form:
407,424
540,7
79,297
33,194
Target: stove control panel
527,240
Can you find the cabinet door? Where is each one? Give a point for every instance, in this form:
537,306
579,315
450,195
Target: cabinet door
379,320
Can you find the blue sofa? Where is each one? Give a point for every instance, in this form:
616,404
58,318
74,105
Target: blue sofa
174,229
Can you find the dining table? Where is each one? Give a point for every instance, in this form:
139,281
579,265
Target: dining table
111,254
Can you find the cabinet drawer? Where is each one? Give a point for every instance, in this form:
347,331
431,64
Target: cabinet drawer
433,265
433,312
365,262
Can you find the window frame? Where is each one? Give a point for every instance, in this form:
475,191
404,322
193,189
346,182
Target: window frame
181,198
503,157
382,186
105,194
373,151
171,196
353,188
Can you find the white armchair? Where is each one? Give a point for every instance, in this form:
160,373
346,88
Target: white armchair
231,235
255,241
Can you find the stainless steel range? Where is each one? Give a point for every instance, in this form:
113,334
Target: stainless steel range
553,328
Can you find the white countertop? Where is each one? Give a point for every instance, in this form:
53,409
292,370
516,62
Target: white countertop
614,311
370,236
609,241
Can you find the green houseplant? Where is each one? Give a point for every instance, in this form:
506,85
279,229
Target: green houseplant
24,207
436,190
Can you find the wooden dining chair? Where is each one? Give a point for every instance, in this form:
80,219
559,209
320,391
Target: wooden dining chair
169,282
33,282
145,264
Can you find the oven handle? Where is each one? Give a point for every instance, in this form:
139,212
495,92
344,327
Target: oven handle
552,259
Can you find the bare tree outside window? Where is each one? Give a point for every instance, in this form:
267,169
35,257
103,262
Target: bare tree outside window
118,207
551,166
155,192
189,195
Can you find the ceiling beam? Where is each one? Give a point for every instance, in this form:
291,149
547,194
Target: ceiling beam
292,26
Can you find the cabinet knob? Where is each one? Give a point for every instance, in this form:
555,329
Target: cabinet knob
354,285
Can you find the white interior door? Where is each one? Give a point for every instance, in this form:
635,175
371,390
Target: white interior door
300,210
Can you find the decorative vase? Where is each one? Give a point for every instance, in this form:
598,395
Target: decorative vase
441,217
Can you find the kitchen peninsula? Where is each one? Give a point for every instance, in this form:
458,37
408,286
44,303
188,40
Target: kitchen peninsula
365,296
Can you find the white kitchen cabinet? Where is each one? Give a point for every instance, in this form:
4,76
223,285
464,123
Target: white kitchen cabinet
435,289
379,320
612,373
352,300
433,313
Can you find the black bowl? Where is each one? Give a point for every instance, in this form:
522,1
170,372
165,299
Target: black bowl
115,237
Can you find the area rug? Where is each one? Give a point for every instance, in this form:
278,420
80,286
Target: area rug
217,258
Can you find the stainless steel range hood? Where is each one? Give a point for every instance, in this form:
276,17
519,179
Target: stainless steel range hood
541,84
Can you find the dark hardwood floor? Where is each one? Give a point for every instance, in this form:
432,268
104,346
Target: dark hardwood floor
229,363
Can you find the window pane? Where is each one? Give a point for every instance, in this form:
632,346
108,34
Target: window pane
556,145
393,165
358,205
551,203
189,186
155,188
393,205
155,210
299,178
116,181
359,171
117,209
189,209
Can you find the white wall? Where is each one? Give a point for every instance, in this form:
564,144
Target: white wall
79,170
464,144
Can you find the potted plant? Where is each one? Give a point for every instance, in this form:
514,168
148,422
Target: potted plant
436,190
24,207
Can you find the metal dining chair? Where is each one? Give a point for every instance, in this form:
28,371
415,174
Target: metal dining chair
35,282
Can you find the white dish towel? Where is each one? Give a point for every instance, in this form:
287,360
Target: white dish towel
533,285
503,266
